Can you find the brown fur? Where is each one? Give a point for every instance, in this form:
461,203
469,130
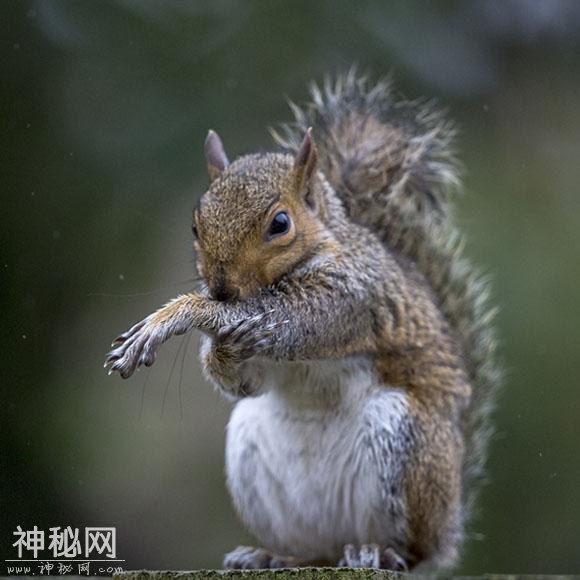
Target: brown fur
237,255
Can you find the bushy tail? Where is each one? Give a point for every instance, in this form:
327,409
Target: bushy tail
392,163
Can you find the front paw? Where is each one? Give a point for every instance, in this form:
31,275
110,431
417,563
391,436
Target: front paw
246,338
225,354
140,344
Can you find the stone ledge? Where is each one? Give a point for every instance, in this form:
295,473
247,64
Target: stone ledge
312,574
279,574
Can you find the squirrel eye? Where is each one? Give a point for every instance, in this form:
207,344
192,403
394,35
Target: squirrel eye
279,225
194,231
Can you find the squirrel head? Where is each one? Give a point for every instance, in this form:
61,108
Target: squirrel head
258,220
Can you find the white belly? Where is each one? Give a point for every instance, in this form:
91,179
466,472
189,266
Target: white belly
314,463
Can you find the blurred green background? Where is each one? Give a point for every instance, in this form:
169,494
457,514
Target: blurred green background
105,106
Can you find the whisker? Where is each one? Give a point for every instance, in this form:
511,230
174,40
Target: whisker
142,403
171,375
193,280
179,389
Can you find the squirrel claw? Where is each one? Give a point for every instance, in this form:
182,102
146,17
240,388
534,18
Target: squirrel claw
370,556
136,347
246,338
112,357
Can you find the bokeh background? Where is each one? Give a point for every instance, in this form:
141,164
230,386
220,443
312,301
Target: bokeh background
104,109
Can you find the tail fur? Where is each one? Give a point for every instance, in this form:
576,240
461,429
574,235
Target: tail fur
392,163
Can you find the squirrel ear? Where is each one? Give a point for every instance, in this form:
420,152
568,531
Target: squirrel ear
215,155
306,157
304,165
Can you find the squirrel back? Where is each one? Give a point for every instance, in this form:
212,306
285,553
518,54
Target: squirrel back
393,166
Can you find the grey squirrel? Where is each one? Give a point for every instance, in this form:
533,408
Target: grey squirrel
339,313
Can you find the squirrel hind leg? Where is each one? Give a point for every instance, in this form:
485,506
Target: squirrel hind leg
371,556
250,558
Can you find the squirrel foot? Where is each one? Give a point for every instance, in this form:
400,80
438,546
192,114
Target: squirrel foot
249,558
370,556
